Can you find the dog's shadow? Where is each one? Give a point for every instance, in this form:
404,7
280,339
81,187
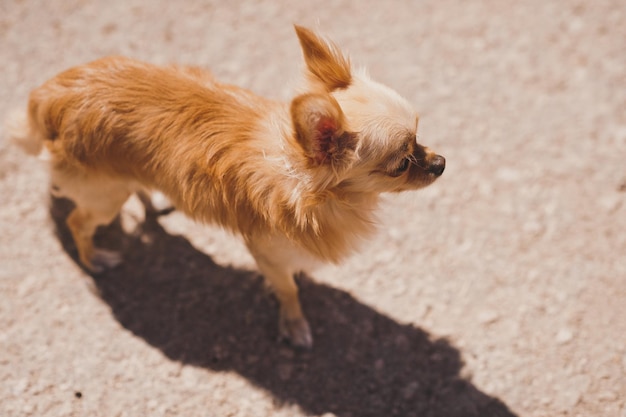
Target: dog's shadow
200,313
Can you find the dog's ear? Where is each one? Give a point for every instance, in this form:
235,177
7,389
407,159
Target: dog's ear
324,61
320,130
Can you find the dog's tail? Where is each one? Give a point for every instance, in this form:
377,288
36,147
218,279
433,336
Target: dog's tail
22,133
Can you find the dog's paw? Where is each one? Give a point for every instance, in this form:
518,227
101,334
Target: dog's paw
296,331
104,259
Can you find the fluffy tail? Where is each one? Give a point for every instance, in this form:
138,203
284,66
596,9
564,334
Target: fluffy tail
22,133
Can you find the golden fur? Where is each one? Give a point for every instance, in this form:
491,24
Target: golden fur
299,181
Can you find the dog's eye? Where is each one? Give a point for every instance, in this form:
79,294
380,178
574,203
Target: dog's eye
404,165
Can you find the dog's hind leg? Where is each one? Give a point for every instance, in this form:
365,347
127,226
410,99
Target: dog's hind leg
83,223
97,201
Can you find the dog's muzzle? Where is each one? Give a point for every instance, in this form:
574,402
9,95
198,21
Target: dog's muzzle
436,165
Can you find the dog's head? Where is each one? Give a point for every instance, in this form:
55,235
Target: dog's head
360,134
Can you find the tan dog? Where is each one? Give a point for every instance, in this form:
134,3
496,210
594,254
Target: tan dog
299,181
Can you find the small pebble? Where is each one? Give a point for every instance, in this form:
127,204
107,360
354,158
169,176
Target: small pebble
488,317
611,203
20,386
607,396
564,336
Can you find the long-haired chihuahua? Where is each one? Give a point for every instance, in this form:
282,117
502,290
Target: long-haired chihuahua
299,181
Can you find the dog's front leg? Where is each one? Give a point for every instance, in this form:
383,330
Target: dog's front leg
274,264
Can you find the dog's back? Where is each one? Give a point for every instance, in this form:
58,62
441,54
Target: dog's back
114,114
154,127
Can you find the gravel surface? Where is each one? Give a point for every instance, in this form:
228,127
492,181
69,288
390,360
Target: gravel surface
499,291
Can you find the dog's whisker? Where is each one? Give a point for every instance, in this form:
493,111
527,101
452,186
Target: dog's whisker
413,159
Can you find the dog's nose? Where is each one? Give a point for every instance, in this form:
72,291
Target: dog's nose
437,165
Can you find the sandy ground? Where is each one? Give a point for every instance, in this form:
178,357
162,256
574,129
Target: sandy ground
499,291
